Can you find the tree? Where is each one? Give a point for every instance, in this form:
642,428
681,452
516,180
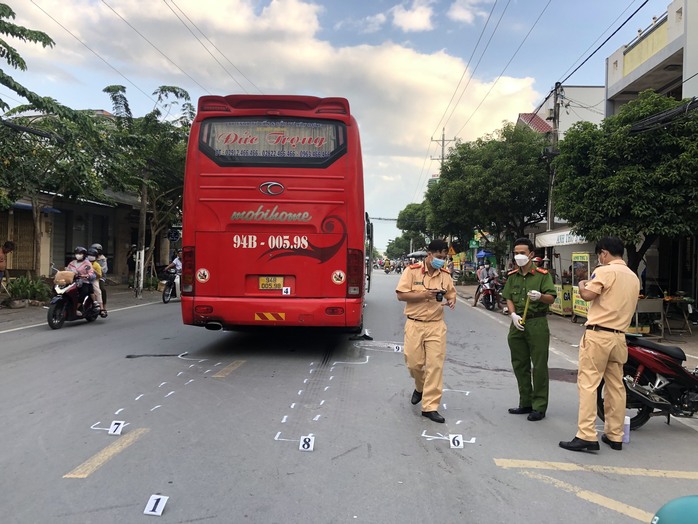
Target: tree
636,186
149,154
497,185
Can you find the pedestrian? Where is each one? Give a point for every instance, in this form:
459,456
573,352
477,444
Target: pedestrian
131,264
7,248
426,287
529,291
612,292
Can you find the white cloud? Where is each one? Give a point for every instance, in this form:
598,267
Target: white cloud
374,23
467,10
416,18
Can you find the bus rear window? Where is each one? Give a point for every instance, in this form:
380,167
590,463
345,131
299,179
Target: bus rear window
263,141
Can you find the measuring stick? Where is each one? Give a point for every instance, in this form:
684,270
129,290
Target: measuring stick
523,318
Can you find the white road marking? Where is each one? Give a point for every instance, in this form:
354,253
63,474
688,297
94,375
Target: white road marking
317,417
162,384
139,397
293,405
118,411
156,407
283,420
189,382
170,393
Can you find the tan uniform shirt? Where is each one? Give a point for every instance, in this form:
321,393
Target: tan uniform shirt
3,260
618,288
417,278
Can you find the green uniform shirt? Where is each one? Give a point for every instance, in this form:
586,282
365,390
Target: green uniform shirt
518,285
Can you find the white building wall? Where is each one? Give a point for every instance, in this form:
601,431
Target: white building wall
690,50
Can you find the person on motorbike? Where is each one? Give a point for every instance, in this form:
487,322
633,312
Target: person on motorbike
485,271
177,264
83,270
102,260
96,290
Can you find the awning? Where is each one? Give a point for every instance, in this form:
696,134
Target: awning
483,253
28,207
559,237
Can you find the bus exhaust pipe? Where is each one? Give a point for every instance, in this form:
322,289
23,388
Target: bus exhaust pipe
213,326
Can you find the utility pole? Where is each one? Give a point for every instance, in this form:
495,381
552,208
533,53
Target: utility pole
553,151
443,141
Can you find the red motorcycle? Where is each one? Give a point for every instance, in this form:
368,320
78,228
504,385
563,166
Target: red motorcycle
491,293
656,383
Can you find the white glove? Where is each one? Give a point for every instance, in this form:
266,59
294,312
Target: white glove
516,320
534,295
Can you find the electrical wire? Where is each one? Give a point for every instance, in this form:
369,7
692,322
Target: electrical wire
507,66
156,48
95,53
216,48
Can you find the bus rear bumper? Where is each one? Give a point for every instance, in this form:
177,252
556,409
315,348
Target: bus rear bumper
236,313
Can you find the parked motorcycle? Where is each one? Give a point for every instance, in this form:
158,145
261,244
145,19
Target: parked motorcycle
171,286
656,382
68,303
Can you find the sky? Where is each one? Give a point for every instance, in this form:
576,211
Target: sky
410,69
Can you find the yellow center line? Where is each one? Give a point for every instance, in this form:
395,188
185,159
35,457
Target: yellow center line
92,464
565,466
227,370
595,498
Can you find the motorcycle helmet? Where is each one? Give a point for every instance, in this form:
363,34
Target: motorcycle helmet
682,510
80,250
98,247
92,252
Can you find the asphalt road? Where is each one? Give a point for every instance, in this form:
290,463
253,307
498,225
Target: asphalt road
215,420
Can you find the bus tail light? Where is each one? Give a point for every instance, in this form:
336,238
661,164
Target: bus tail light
188,265
334,311
355,272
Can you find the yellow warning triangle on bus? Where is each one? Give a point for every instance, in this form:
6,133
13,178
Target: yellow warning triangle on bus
451,251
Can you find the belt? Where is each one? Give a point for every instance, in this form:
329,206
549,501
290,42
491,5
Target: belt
594,327
420,320
536,315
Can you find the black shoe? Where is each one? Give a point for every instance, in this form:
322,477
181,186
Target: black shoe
520,410
578,444
416,397
434,416
614,445
535,416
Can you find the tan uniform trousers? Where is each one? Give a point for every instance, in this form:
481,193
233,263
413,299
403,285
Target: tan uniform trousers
425,352
601,356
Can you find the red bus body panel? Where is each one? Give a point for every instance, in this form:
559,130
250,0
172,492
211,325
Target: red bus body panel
273,245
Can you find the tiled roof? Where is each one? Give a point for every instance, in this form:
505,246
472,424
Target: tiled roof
535,122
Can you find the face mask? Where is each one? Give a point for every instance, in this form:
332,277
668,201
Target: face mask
437,263
487,266
79,257
521,260
91,259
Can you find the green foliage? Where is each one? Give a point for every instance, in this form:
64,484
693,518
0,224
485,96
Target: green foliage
497,184
28,288
633,186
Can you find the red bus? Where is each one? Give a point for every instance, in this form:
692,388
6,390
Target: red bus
274,227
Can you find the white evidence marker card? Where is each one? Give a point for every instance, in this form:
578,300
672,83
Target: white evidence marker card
116,427
307,443
456,441
397,348
156,505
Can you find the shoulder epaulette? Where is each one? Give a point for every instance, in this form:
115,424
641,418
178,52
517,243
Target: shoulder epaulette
415,266
541,270
445,270
513,271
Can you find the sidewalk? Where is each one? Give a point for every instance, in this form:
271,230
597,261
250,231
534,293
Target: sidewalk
569,333
119,296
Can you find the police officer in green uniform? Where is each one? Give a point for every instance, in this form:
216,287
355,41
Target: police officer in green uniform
529,336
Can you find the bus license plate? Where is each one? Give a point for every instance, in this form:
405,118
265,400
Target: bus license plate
271,282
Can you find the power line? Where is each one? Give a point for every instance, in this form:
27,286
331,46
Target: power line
216,48
507,65
156,47
94,52
455,91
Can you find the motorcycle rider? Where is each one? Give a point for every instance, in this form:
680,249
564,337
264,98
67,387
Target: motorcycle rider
484,272
84,271
96,291
177,264
102,260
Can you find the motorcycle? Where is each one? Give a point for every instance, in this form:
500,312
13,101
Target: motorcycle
656,382
68,303
490,295
171,286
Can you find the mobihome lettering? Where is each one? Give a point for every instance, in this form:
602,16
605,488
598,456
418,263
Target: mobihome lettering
270,215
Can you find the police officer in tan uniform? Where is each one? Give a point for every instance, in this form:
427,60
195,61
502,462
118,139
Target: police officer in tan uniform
426,288
613,291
